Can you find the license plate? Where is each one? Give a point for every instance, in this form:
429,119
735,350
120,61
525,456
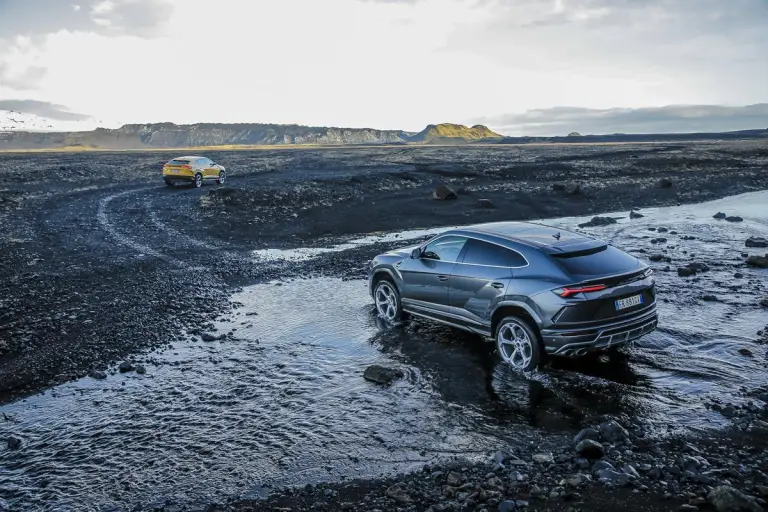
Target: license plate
635,300
174,170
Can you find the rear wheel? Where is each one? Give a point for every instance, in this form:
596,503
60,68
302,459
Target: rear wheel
198,180
168,183
387,300
518,344
222,178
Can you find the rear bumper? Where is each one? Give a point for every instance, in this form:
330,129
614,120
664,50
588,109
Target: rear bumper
571,342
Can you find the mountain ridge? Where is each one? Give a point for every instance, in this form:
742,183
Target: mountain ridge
170,135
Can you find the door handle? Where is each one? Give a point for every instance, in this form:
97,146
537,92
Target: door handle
442,278
498,285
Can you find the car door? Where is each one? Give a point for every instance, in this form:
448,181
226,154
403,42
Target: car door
480,279
425,279
209,170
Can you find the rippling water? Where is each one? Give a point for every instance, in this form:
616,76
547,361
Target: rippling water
285,402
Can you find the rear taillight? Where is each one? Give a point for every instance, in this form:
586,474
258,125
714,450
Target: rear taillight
570,291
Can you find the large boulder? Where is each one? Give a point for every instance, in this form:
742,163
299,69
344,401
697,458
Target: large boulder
598,221
590,449
758,242
758,261
664,183
382,375
444,192
727,499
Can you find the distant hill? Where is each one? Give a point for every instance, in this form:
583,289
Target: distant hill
169,135
447,133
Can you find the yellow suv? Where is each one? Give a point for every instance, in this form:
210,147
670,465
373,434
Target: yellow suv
194,170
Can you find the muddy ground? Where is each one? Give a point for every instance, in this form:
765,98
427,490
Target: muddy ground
103,263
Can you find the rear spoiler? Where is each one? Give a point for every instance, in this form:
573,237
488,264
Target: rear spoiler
575,248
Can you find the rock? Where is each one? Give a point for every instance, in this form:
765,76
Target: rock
587,433
663,230
758,261
687,508
764,303
656,257
558,187
745,352
628,469
507,506
758,242
500,457
14,442
598,221
208,337
453,479
709,298
698,267
602,464
98,375
613,432
444,193
141,370
398,493
612,477
719,216
635,215
125,367
727,499
382,375
573,189
544,458
734,218
664,183
590,449
485,204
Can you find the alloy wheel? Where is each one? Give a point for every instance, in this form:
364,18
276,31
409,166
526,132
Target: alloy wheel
515,345
386,301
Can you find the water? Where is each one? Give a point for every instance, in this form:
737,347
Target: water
284,402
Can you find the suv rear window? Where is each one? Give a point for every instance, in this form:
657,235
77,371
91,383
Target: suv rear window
180,162
601,262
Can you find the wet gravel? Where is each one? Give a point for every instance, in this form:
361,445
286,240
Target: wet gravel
221,396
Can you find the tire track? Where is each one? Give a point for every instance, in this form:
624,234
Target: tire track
162,226
122,239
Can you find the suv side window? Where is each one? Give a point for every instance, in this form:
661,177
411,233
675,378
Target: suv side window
446,248
205,162
492,255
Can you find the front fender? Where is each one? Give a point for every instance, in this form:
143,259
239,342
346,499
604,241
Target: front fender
389,273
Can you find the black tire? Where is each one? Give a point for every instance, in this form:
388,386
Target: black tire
198,181
222,178
168,183
518,344
386,299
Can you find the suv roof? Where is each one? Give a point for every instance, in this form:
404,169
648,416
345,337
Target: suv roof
545,238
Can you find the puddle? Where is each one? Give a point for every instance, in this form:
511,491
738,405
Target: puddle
284,402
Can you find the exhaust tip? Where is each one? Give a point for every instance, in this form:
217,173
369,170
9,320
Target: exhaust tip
581,352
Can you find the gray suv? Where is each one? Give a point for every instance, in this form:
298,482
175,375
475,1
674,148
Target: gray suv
535,289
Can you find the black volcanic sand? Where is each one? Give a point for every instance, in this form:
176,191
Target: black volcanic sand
102,263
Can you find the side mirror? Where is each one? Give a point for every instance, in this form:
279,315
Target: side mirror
416,254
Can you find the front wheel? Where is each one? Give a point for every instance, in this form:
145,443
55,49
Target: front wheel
198,180
387,299
518,344
222,178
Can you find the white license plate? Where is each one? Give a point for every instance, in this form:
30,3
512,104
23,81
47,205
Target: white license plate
635,300
174,170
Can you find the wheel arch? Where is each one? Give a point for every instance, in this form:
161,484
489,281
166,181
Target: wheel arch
383,273
516,309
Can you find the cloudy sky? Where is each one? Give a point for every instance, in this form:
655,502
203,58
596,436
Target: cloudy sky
522,66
